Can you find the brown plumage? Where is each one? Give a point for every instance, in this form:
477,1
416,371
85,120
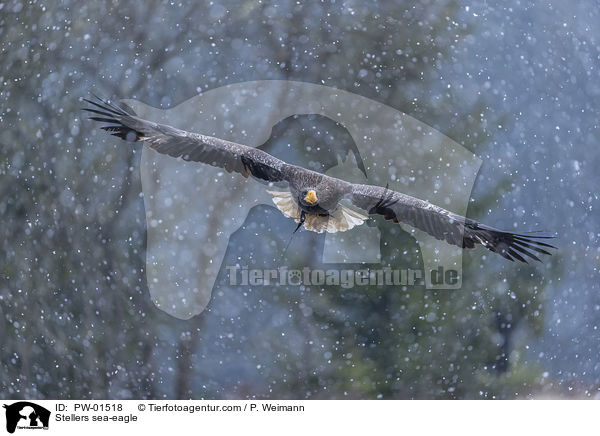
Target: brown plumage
314,198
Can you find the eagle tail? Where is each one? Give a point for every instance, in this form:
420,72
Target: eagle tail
340,220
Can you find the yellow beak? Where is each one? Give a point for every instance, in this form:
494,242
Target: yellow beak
311,197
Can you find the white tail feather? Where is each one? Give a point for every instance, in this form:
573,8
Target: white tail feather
339,220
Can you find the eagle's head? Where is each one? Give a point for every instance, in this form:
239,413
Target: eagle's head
309,197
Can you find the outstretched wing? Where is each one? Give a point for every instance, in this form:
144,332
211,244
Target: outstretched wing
123,123
445,225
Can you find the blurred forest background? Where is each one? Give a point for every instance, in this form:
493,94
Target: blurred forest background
517,85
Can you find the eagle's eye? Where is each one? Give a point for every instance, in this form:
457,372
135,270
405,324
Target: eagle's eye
311,196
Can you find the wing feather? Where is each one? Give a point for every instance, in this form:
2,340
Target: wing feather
125,124
445,225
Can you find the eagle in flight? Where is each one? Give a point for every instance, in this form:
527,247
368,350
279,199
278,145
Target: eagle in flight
314,199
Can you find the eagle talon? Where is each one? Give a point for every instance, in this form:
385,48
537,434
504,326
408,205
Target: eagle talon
302,219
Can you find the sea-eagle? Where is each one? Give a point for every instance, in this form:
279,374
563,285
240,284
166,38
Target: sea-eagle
314,199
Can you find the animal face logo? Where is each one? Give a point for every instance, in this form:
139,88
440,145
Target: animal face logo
187,236
26,415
